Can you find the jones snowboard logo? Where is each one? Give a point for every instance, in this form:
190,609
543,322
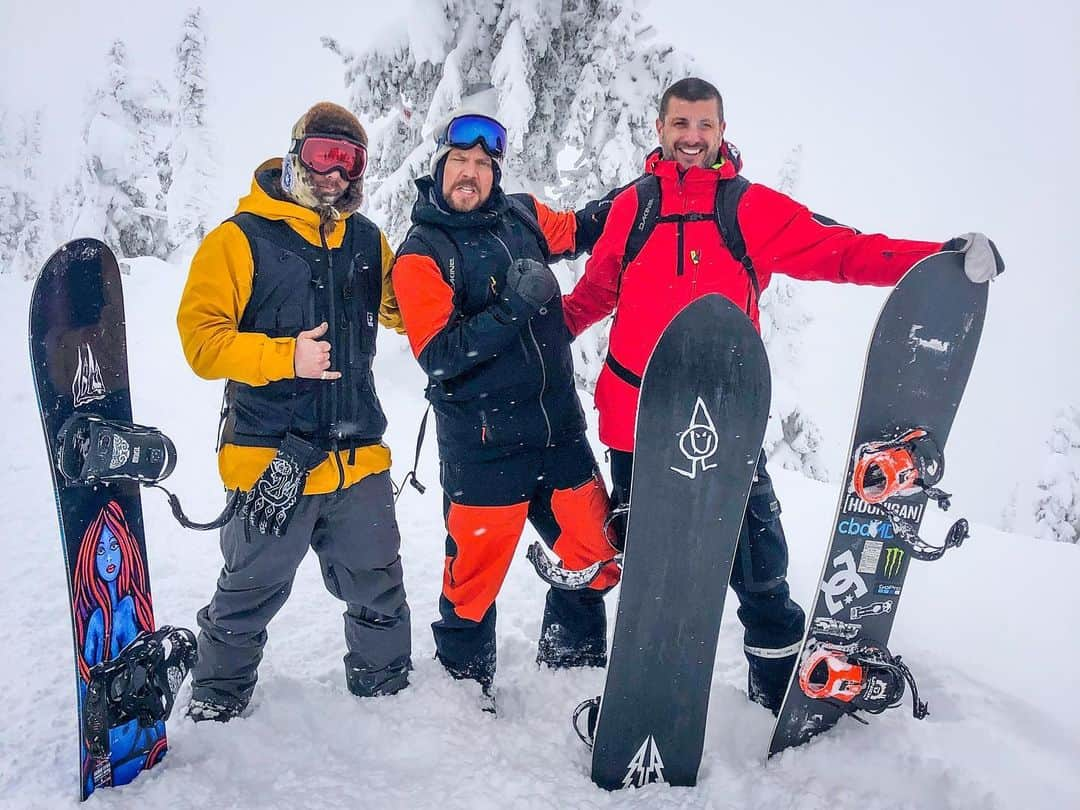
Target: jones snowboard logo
646,766
698,442
844,586
87,385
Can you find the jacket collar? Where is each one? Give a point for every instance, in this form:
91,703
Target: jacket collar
729,165
431,209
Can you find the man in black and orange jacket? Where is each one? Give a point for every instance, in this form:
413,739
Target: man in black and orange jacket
484,319
684,257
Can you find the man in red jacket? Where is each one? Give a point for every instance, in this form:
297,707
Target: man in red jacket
664,245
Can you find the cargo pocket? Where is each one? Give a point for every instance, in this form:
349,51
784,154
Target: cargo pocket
765,559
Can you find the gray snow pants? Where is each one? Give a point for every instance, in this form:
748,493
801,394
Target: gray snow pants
355,534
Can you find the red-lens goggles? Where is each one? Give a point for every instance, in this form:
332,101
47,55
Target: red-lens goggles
323,154
466,131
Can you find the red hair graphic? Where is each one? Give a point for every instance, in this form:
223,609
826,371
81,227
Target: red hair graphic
91,593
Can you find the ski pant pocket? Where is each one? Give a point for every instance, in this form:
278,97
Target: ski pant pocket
761,559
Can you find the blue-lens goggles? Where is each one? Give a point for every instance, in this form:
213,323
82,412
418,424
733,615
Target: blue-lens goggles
466,131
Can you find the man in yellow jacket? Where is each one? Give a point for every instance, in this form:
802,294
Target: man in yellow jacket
283,301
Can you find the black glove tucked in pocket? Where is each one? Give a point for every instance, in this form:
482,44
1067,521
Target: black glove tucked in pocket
269,505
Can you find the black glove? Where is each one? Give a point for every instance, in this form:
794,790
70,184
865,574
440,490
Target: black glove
982,261
269,505
531,281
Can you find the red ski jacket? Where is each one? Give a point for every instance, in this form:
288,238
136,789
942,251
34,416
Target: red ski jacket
683,260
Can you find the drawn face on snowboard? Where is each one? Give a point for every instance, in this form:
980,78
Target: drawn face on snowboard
691,132
108,558
468,176
699,442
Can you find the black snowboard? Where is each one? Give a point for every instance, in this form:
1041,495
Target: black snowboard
917,367
701,421
78,353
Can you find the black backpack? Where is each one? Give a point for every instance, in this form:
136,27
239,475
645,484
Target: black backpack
725,210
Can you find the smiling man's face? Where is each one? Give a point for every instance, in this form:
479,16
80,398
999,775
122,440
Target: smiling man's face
691,132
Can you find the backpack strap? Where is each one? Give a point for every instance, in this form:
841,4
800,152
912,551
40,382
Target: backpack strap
648,214
728,195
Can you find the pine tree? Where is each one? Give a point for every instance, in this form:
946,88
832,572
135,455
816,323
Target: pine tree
191,191
126,168
25,233
792,437
10,225
1057,504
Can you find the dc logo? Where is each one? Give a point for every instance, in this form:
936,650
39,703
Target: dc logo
844,586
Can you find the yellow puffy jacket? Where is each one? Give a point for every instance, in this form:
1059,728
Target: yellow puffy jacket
217,291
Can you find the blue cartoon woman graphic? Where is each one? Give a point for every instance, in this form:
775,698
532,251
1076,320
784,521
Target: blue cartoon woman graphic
111,607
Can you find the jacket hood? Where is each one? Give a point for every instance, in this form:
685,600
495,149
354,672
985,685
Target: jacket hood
267,199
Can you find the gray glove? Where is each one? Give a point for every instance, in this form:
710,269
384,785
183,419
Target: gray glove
532,281
982,261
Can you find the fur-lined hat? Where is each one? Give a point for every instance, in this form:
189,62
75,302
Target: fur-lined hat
325,118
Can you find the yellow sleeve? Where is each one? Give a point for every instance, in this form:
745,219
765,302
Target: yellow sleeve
389,312
217,291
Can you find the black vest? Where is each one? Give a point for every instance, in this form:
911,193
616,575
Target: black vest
297,286
525,396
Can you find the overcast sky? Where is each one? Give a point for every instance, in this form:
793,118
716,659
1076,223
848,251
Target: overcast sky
919,119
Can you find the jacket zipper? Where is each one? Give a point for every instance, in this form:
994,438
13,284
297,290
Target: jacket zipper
679,265
539,355
335,390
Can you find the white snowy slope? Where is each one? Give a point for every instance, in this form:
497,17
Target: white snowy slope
988,631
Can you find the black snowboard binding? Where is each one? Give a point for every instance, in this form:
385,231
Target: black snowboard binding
911,463
139,684
92,450
587,712
863,676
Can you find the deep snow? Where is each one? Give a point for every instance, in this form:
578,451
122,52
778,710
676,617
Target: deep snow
989,632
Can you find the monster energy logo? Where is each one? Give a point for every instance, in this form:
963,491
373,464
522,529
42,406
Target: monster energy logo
894,558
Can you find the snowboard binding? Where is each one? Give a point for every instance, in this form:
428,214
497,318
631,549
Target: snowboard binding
863,676
910,464
139,684
565,579
587,712
92,450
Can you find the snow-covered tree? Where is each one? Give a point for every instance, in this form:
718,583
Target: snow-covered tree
25,229
10,224
127,173
577,85
194,182
792,438
1057,503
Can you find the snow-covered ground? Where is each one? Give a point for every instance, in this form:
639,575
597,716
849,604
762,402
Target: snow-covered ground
989,631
